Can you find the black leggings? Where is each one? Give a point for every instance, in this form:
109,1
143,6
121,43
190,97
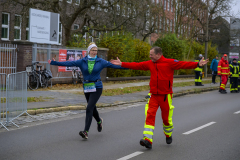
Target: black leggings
91,111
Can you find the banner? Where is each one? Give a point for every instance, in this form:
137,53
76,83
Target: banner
70,55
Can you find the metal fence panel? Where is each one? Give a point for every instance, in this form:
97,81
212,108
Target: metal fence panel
8,58
3,96
16,96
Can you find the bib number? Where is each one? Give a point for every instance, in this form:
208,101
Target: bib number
89,87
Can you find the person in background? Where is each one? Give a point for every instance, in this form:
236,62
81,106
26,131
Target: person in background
91,67
213,67
239,77
234,74
224,72
198,73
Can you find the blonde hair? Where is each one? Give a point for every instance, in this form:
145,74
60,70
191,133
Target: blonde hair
91,43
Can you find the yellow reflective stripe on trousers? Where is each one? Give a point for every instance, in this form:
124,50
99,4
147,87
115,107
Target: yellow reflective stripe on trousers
148,129
198,69
224,67
225,73
168,129
223,86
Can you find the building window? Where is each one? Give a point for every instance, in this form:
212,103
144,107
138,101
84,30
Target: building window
123,11
128,12
147,26
99,8
134,12
165,3
163,24
118,9
85,35
160,24
148,11
172,6
75,26
168,5
17,27
105,5
171,25
60,33
77,2
167,24
5,26
27,28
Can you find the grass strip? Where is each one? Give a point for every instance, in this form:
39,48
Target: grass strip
29,99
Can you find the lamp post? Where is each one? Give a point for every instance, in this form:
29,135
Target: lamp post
206,42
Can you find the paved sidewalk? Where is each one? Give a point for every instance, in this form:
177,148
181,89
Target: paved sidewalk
60,98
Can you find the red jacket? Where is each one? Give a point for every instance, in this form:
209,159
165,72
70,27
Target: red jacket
223,67
161,72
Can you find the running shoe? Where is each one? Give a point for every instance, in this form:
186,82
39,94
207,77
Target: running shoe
83,134
169,140
145,143
99,125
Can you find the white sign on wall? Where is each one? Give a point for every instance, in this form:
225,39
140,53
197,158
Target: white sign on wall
233,54
44,26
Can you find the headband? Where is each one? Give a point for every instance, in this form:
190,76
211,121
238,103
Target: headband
90,47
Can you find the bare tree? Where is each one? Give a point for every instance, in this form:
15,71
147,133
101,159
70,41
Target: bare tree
98,15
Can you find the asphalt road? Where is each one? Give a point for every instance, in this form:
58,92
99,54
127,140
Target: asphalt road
218,137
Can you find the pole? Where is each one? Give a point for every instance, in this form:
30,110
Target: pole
206,42
48,55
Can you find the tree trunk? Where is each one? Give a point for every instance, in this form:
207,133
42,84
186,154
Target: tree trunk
190,49
67,35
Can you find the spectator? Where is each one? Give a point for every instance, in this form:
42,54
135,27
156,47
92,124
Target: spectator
213,67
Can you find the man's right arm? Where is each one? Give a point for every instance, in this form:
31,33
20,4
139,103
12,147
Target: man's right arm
136,66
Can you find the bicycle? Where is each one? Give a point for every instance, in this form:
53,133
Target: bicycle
37,77
77,76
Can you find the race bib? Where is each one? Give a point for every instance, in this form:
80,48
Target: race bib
89,87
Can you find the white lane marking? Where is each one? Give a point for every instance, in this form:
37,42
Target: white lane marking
236,112
130,155
201,127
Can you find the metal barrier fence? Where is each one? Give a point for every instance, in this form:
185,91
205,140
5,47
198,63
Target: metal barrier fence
3,96
15,102
8,58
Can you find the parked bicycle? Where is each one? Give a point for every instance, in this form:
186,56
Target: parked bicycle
38,77
77,76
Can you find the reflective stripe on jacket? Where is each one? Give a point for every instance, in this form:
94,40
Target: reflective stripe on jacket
234,70
198,68
223,67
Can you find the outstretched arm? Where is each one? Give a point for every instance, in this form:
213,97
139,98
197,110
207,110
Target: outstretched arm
131,65
111,65
66,63
188,65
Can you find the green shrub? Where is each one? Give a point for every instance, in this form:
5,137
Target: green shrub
127,49
172,47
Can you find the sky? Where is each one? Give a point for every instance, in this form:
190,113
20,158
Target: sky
236,8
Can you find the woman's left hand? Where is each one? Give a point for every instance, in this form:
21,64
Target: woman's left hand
49,61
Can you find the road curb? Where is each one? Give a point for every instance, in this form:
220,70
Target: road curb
103,105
